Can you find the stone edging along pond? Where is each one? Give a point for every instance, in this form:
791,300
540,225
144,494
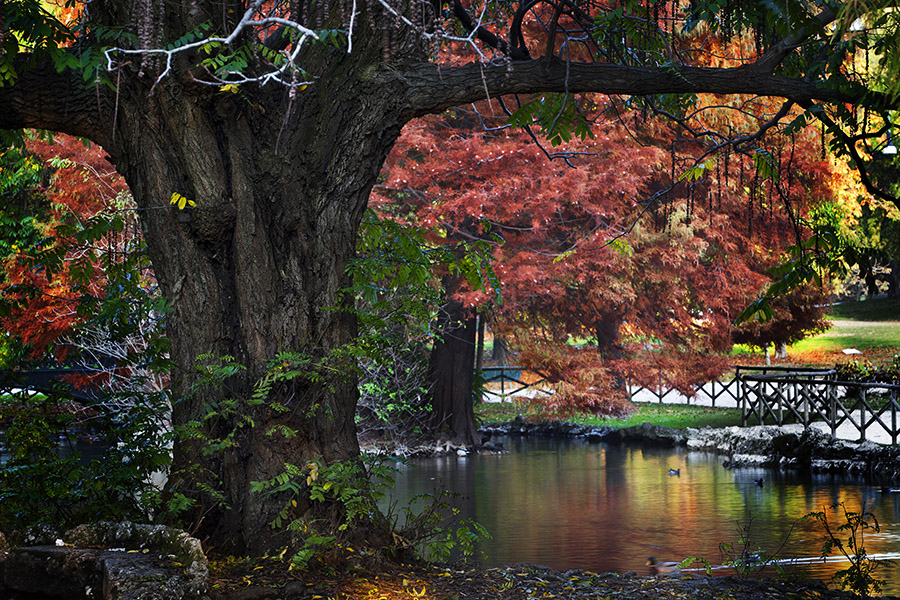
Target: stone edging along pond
771,446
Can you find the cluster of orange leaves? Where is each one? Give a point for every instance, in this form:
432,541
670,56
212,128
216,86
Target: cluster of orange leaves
84,185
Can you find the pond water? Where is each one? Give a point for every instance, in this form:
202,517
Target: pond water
576,504
83,441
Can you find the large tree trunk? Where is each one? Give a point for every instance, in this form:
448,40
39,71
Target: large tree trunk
256,269
450,371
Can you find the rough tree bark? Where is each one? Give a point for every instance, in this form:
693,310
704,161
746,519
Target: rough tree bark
280,182
256,268
450,372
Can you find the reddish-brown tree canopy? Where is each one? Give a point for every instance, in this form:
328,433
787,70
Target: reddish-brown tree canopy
607,244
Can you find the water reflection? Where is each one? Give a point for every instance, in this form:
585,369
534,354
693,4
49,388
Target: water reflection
573,504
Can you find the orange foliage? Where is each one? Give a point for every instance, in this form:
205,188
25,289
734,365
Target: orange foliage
66,11
84,185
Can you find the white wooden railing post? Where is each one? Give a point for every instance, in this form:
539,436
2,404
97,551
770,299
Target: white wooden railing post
862,415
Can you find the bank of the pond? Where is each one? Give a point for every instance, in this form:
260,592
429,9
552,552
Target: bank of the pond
513,582
771,446
658,413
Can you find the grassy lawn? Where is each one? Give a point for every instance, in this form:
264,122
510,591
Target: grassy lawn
872,326
853,334
666,415
879,309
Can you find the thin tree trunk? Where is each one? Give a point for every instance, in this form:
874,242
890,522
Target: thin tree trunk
450,371
479,351
607,331
500,354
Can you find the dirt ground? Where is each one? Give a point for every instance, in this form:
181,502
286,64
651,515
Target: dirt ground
432,582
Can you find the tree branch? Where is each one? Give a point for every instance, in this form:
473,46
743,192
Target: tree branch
776,53
514,52
430,90
43,98
850,145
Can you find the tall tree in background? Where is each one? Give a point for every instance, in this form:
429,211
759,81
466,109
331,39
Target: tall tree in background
268,123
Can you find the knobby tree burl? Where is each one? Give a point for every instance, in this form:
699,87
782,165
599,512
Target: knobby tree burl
274,119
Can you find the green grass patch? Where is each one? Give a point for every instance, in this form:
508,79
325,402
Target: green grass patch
873,325
880,309
862,335
666,415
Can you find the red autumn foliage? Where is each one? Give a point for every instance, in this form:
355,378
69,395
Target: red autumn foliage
647,285
82,185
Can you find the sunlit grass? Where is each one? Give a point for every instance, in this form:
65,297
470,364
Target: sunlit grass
862,336
872,326
665,415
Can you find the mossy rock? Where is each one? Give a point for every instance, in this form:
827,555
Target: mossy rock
158,539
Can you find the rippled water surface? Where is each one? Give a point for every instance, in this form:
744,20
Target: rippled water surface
575,504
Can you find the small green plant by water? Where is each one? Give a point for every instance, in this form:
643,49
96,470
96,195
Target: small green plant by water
748,558
310,487
431,522
859,577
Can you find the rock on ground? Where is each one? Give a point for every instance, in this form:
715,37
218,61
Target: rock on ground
107,561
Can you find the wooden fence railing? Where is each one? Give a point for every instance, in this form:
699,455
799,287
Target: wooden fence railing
805,396
510,380
772,394
716,389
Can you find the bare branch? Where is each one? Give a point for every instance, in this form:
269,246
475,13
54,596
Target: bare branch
850,145
246,22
